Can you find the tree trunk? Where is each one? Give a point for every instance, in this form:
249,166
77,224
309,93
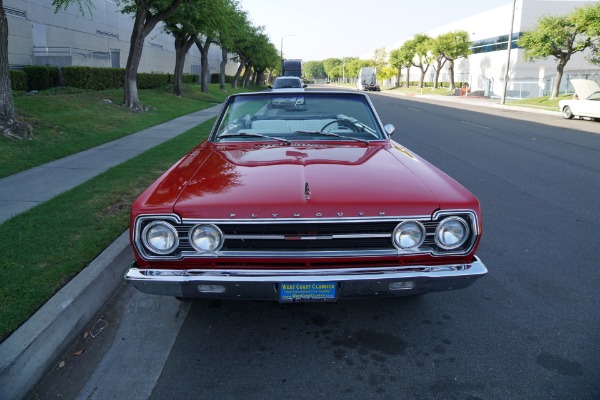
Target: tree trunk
560,66
437,73
254,77
247,74
204,72
224,56
143,24
422,78
183,44
451,74
238,73
399,77
136,46
408,76
9,126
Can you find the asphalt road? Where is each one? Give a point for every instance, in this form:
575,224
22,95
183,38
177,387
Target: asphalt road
530,329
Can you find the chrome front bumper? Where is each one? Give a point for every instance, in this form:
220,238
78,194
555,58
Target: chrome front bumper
264,284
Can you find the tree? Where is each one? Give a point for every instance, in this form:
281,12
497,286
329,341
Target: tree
422,45
183,25
331,67
214,15
379,58
406,55
450,47
11,128
561,37
314,70
354,64
401,58
148,13
235,21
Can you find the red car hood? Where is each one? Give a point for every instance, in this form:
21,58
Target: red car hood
302,181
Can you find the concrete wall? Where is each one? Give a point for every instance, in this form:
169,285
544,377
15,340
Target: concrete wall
99,38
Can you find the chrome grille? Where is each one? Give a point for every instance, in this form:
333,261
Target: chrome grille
307,238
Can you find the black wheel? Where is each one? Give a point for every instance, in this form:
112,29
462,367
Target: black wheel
567,113
341,122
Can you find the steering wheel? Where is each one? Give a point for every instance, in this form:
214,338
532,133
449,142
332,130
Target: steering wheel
346,124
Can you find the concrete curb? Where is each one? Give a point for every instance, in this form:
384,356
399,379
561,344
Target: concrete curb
31,350
529,110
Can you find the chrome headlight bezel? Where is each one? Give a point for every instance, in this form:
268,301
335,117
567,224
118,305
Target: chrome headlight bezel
439,234
416,226
170,229
215,230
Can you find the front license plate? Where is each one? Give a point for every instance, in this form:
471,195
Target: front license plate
307,291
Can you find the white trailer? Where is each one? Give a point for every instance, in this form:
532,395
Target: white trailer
367,79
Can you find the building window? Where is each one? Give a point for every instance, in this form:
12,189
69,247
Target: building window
107,34
15,12
496,43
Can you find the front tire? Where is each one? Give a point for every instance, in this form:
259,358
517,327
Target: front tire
567,113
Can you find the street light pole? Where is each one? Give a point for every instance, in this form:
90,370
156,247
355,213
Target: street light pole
281,48
506,77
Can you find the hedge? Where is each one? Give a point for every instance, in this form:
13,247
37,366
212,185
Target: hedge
215,78
41,77
93,78
18,80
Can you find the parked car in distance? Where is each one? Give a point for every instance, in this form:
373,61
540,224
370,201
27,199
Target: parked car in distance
586,102
303,204
287,83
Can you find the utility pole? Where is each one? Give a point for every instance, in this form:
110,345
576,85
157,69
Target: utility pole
506,77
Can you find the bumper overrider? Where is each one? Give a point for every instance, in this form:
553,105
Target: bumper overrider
268,284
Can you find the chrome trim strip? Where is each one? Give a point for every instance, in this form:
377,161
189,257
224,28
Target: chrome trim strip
307,237
314,220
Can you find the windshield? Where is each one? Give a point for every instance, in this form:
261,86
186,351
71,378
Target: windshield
285,117
284,83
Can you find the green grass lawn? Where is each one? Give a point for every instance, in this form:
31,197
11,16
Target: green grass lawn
65,124
43,248
543,103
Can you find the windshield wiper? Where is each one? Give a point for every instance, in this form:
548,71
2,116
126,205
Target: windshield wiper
257,135
333,134
356,122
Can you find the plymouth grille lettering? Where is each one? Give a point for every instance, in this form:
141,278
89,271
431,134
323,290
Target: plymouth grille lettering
317,215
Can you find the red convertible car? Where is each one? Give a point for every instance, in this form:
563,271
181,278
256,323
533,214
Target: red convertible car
308,202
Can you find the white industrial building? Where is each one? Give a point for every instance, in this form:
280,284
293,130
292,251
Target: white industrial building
99,38
485,69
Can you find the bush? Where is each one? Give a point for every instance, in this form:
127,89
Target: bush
151,81
214,78
41,77
93,78
18,80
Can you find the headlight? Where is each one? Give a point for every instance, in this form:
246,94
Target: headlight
409,235
160,237
451,233
206,238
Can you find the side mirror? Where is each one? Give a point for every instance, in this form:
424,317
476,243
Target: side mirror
389,129
270,87
304,86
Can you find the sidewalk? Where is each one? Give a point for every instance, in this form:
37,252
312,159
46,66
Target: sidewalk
474,101
28,354
24,190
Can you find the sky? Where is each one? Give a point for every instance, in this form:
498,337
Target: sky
319,29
